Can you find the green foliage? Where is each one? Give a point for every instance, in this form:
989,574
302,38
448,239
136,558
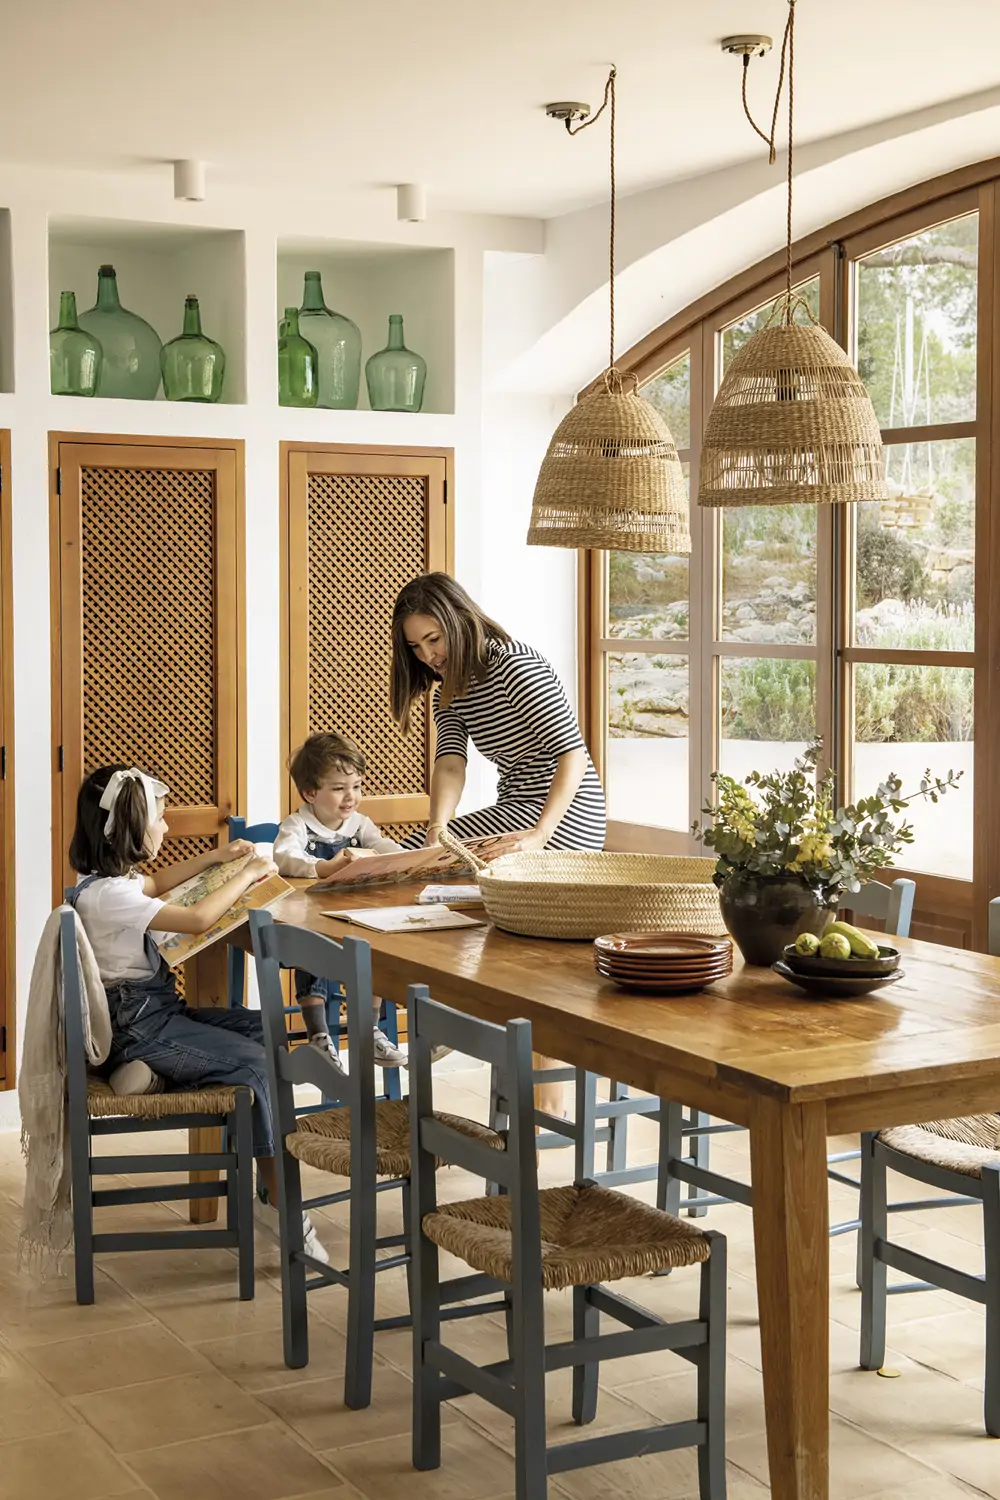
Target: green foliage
888,566
626,587
786,824
904,704
768,698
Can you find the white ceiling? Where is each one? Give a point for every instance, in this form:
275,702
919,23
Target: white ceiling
329,95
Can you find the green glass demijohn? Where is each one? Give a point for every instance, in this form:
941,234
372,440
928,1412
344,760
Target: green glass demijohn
193,365
75,357
298,366
131,365
337,342
396,375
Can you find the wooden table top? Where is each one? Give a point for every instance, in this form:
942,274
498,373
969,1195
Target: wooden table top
751,1032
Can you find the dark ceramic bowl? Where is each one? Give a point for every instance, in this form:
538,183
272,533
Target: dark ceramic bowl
851,968
836,986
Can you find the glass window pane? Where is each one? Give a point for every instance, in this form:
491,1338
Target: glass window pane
648,594
915,559
909,719
769,574
737,334
670,393
647,746
768,713
916,326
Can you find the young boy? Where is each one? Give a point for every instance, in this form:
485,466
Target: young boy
324,834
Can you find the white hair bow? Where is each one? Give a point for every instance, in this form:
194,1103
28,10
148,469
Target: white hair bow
153,789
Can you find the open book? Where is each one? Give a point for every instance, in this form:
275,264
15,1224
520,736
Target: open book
177,947
406,918
383,869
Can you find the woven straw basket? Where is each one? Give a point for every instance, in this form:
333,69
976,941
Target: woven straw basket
557,894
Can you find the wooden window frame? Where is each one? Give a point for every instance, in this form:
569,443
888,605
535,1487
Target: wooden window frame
230,633
8,893
391,459
946,906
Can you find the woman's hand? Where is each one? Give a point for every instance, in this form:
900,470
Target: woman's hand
536,839
433,836
238,849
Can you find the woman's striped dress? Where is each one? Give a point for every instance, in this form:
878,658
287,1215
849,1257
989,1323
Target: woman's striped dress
520,719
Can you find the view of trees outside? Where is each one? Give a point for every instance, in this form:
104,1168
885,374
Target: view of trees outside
768,713
647,747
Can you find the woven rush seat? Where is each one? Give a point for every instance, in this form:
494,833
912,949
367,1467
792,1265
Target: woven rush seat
323,1140
103,1102
965,1145
589,1234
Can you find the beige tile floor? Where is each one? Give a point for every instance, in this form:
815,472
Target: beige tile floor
170,1387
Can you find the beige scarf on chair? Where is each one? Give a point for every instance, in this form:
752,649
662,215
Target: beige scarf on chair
47,1221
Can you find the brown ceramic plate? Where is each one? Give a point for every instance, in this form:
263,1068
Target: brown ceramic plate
661,945
836,986
664,971
660,986
847,968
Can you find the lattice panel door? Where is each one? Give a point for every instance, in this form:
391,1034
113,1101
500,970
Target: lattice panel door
360,526
149,591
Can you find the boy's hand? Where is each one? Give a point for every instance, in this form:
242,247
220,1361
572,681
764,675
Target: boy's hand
348,856
238,849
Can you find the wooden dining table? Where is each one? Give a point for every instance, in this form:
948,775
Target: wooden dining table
750,1049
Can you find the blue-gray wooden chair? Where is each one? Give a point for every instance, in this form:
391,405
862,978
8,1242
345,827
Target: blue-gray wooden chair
362,1138
684,1134
95,1111
266,833
961,1158
528,1241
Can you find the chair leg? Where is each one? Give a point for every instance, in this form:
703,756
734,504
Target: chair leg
497,1120
361,1297
586,1325
617,1157
83,1217
701,1147
668,1187
874,1226
712,1375
390,1076
245,1192
585,1145
991,1247
530,1478
294,1316
426,1309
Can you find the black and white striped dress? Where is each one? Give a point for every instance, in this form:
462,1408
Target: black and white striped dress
520,719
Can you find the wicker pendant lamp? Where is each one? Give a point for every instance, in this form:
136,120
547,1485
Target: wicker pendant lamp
611,477
792,422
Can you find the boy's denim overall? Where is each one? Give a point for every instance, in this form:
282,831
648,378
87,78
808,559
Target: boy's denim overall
190,1048
309,984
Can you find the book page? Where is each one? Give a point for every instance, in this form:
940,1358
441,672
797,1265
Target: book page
177,947
406,918
377,869
488,848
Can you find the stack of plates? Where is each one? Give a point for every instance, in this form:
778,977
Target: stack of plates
662,962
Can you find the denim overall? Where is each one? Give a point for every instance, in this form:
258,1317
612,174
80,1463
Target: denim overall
190,1049
309,984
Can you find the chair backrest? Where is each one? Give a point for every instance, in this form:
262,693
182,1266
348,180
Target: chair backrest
891,904
993,930
280,945
508,1048
257,833
72,997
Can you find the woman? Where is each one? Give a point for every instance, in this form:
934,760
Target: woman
506,698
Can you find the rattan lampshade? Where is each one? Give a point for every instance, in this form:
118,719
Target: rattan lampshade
611,478
792,423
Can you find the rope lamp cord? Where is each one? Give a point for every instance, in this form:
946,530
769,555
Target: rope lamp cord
571,129
787,55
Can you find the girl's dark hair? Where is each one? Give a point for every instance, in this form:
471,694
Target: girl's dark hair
94,852
468,633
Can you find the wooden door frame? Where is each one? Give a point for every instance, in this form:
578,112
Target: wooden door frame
8,909
404,809
229,452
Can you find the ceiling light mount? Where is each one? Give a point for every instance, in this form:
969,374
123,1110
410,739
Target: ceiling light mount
569,111
749,44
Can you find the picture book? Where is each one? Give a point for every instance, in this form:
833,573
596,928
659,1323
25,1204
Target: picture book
406,918
178,947
450,895
385,869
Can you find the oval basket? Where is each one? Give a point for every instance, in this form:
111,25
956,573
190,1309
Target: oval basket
567,894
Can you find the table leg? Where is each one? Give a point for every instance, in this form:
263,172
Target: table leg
206,983
549,1097
791,1237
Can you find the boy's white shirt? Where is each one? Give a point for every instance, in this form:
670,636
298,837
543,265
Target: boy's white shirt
290,846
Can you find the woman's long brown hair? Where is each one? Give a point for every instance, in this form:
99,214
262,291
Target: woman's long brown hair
468,633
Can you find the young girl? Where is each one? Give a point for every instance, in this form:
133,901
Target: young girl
120,825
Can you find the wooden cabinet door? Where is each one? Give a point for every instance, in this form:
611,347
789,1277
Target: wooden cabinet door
7,911
356,526
147,581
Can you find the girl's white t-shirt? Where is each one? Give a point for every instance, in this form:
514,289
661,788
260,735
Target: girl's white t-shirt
115,912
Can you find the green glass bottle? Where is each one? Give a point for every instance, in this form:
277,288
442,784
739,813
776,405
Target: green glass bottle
298,383
396,375
131,365
337,342
74,356
193,365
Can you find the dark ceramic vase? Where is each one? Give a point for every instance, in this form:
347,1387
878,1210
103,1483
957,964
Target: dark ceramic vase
764,913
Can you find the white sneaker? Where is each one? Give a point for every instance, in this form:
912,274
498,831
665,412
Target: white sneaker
323,1043
388,1054
266,1218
